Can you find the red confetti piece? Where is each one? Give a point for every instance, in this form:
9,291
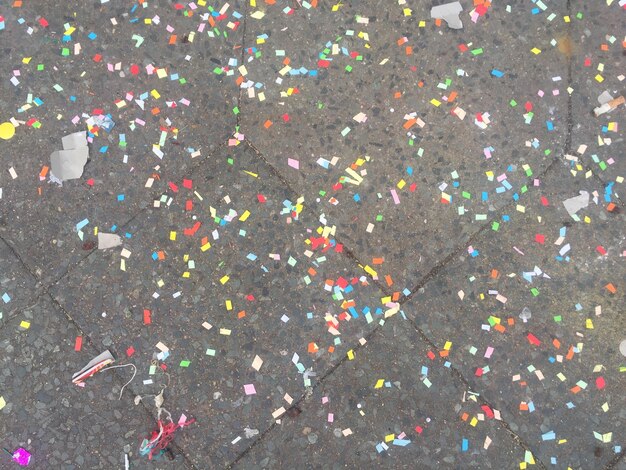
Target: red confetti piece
533,339
539,238
600,383
134,69
147,317
600,249
130,351
79,343
261,198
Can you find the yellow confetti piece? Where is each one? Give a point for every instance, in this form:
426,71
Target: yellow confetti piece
474,421
224,280
435,102
380,383
351,355
447,346
589,324
225,331
229,305
599,78
206,246
535,51
173,236
390,437
25,324
155,94
2,403
186,274
244,216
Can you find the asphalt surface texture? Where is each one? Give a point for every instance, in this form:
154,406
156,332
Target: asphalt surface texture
344,234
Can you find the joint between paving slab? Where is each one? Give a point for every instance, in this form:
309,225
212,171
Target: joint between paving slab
616,459
346,250
192,169
116,374
242,57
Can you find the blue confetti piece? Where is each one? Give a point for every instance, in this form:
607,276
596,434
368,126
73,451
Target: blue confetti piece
6,298
104,149
251,256
81,224
497,73
549,436
155,256
485,196
465,445
120,197
356,198
549,125
92,35
401,442
608,191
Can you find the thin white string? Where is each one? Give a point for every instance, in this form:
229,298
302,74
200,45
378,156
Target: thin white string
131,379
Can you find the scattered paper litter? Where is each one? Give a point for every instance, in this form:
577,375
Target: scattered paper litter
68,164
108,240
576,203
449,12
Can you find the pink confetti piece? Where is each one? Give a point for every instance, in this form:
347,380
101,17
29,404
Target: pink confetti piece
293,163
395,197
249,389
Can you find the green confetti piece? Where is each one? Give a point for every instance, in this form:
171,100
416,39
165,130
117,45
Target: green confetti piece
379,218
65,52
236,110
230,161
534,291
217,71
524,188
185,363
477,51
603,165
558,318
40,67
348,68
466,195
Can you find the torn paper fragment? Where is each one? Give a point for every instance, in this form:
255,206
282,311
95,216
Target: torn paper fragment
108,240
576,203
96,364
607,103
68,163
449,12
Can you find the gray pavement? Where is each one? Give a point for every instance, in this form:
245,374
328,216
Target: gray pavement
332,216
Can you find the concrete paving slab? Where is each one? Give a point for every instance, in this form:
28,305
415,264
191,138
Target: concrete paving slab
419,163
555,381
391,406
156,94
60,424
287,296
